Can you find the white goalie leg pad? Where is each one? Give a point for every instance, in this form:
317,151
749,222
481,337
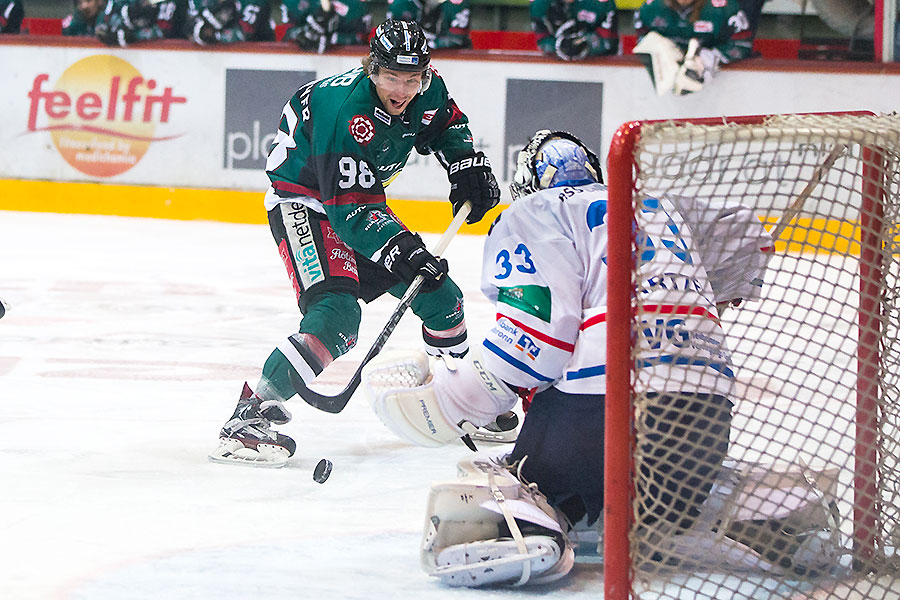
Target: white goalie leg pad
799,507
486,528
232,451
771,518
662,57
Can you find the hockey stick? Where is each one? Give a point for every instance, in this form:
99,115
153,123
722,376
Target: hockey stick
335,404
794,209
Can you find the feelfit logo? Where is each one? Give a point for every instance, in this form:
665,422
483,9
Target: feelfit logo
101,114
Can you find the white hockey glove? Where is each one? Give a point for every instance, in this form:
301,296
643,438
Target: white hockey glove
426,401
474,530
711,59
690,78
662,58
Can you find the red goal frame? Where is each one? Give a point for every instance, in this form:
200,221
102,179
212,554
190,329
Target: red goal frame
622,171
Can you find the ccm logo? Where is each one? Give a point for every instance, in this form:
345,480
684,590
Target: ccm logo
467,163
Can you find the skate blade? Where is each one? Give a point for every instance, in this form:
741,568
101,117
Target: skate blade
233,452
495,437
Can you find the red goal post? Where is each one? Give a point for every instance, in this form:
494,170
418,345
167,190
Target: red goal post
828,187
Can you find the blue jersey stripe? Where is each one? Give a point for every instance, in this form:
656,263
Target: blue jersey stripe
518,364
598,370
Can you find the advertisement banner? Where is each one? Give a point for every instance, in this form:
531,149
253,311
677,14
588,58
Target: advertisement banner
253,103
199,119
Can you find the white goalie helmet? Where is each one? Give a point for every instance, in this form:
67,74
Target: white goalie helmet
554,159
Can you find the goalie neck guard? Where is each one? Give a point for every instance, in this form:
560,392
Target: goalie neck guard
554,159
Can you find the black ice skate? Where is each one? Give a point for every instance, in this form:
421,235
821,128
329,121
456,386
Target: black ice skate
247,438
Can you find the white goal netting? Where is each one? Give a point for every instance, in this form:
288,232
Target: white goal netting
792,489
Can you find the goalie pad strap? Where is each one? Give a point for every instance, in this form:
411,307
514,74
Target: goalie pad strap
512,525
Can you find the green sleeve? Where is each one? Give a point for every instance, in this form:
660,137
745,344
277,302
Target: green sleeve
453,31
448,134
546,40
734,37
604,33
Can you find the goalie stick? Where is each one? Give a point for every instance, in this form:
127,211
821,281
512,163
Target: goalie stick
794,209
335,404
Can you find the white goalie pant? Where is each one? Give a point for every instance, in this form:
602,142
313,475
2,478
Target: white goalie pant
487,528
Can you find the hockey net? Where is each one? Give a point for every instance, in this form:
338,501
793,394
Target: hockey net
806,500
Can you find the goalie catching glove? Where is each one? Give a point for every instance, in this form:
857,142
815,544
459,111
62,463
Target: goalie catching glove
431,402
471,179
406,257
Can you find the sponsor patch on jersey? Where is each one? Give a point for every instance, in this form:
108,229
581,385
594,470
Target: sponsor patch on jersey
534,300
382,116
719,3
703,26
587,16
362,129
407,59
526,345
339,256
428,116
340,8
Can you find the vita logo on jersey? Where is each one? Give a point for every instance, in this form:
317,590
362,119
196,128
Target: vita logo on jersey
102,113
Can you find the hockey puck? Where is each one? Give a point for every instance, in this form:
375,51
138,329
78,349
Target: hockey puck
507,421
322,471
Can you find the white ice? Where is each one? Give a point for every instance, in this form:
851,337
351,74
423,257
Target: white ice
124,351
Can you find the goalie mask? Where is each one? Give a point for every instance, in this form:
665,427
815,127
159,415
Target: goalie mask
400,46
554,159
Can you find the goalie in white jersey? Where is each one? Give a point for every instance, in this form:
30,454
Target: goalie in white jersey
544,268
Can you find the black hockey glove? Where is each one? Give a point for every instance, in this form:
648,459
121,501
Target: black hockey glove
140,15
209,24
471,179
316,33
571,41
114,37
405,256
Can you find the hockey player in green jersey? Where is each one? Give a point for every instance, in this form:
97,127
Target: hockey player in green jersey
11,15
128,21
705,33
339,142
88,14
575,29
445,22
229,21
317,25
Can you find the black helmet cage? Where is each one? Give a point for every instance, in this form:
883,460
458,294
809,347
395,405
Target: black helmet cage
525,180
401,46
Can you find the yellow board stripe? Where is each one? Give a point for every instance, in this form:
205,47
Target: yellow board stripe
230,206
187,204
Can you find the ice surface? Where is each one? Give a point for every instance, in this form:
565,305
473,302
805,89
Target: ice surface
123,352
